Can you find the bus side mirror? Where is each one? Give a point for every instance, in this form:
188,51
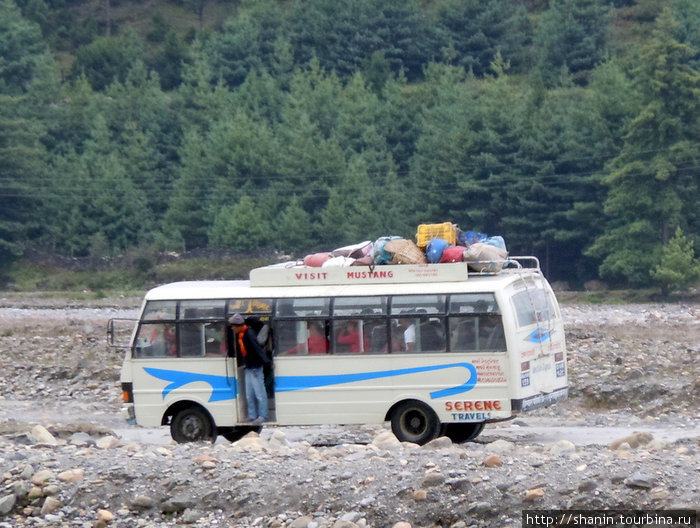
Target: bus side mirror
113,329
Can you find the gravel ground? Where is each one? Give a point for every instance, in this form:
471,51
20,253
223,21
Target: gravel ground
627,438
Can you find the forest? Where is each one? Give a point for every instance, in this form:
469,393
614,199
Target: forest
569,127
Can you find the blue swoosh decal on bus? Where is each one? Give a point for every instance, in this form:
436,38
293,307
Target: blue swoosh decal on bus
540,335
294,383
223,387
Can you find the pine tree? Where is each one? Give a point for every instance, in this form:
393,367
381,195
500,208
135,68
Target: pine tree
572,39
240,226
653,184
22,162
677,266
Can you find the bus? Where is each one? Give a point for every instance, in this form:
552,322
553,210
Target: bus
434,350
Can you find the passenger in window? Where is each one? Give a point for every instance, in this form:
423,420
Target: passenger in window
163,339
350,337
465,336
315,344
491,333
409,334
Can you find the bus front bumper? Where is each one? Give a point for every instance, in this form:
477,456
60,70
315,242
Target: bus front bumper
128,414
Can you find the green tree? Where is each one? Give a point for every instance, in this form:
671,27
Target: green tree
653,182
687,13
294,229
246,43
27,87
572,38
22,166
345,219
95,195
73,117
344,34
169,61
200,99
678,267
473,32
108,59
187,219
146,134
240,226
21,49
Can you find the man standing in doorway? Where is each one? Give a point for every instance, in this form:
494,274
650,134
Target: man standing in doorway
254,359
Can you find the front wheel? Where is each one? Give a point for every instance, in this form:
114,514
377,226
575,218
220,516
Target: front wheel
192,424
462,432
413,421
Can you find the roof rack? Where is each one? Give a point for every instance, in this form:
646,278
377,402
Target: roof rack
296,273
507,265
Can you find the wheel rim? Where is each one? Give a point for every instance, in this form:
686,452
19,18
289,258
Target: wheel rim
192,427
414,423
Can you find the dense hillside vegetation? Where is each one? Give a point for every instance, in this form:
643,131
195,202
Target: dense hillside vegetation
570,127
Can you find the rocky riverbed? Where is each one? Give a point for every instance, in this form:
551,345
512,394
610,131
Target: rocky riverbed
627,438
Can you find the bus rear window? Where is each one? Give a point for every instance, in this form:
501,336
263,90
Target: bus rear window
532,307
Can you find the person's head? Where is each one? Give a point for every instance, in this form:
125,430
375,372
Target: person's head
405,322
236,321
315,328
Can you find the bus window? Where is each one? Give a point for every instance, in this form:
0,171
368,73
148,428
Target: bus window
291,316
491,336
215,339
246,306
475,323
155,340
202,309
191,339
360,324
348,337
315,340
420,323
159,310
304,307
533,306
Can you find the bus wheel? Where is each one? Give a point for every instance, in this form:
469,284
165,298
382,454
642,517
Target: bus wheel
191,424
462,432
236,433
414,421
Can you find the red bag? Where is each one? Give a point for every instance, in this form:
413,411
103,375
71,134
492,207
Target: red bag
316,260
452,254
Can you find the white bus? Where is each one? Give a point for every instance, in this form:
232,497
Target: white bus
433,349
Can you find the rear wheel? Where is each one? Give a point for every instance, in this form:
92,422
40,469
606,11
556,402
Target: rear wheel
414,421
192,424
236,433
462,432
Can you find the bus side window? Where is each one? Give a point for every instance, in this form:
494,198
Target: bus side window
214,339
464,334
491,335
312,335
191,339
155,340
285,334
348,336
406,335
432,336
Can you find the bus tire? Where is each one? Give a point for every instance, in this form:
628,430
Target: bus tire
192,424
413,421
233,434
462,432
